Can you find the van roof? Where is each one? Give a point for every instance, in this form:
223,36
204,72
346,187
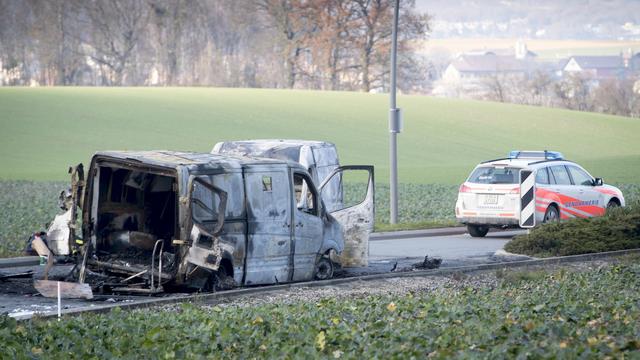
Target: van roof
271,148
322,153
280,143
173,159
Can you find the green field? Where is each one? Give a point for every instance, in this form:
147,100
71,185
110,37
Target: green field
44,130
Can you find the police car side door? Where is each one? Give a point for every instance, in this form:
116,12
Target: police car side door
562,186
589,201
544,195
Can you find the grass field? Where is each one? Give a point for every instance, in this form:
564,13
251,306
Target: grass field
44,130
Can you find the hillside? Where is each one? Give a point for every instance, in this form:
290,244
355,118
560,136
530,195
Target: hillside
43,130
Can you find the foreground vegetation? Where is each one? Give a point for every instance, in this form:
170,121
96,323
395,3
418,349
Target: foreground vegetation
44,130
619,229
589,314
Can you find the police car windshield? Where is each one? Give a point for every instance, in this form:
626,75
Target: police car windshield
493,175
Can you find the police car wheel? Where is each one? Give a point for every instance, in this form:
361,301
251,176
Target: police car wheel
477,230
612,205
324,269
551,215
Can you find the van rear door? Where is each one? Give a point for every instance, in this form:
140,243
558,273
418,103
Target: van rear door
354,209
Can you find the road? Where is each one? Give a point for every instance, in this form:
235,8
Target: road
387,252
402,250
454,250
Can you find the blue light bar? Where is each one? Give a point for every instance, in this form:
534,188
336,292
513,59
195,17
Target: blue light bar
546,155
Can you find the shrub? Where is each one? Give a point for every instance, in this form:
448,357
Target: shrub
619,229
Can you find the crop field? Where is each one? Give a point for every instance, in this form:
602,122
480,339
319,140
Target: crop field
565,314
44,130
27,206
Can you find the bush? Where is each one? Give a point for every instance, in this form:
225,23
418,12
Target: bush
565,315
619,229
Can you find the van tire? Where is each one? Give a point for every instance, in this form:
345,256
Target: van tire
477,230
221,280
324,269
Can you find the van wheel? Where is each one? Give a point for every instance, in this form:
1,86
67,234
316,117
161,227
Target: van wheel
324,269
220,280
551,215
477,230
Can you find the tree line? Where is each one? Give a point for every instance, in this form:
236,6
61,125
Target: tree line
579,91
320,44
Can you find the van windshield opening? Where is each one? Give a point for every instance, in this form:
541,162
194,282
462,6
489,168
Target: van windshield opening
493,175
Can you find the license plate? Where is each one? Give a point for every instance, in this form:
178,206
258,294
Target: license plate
490,199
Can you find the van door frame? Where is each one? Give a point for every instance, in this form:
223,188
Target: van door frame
90,207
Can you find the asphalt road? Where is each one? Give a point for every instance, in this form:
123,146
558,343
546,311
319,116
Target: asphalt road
454,250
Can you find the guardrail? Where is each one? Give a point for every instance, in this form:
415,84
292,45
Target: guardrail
19,261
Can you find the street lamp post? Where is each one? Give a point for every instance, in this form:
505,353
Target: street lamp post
394,121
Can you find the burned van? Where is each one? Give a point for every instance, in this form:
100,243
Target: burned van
153,219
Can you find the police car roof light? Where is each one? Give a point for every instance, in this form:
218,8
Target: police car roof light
547,155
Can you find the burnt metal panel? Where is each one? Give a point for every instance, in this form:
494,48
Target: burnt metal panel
268,226
356,221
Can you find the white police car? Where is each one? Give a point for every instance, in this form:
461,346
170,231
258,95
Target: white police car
491,195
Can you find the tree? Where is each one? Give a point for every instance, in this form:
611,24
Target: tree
574,92
617,97
496,87
539,86
375,18
116,28
292,23
332,38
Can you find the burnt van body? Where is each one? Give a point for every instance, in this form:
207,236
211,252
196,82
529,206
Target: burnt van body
158,218
320,158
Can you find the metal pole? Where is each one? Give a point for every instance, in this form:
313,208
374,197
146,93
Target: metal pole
394,121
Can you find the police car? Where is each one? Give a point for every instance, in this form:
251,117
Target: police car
491,195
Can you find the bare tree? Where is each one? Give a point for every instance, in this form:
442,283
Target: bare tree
539,86
332,38
574,92
329,44
617,97
496,87
291,21
117,27
374,37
